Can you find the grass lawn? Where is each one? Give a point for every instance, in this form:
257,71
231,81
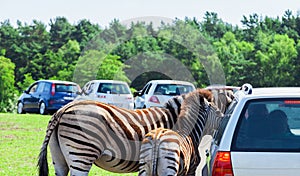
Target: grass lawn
21,136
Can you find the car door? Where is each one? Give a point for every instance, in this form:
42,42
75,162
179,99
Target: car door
28,99
262,145
140,99
37,95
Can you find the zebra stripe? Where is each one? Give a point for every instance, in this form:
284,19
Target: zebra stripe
86,132
183,156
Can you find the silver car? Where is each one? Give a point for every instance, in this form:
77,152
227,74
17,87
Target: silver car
111,92
259,135
157,92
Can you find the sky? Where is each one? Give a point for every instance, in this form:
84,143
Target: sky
102,12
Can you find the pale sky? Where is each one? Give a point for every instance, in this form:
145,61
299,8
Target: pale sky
104,11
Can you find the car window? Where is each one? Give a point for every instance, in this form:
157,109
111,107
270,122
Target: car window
113,88
40,87
85,87
268,125
220,131
146,90
90,88
70,88
172,89
33,88
47,87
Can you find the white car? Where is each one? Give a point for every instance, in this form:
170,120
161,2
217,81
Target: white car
158,92
259,135
108,91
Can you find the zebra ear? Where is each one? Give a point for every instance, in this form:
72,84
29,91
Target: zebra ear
206,101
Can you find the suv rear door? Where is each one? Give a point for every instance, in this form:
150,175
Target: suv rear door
117,94
258,146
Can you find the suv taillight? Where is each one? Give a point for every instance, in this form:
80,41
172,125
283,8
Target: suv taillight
222,165
53,89
154,99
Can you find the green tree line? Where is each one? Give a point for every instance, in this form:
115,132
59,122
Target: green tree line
262,51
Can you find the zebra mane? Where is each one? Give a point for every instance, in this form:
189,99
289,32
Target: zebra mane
194,105
174,104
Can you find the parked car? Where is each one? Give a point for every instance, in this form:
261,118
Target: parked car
259,135
108,91
158,92
45,96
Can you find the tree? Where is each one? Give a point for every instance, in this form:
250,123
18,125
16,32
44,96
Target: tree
61,31
276,61
235,57
84,32
213,26
7,81
26,82
98,65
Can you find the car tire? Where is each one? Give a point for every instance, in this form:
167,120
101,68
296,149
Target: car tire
20,107
42,108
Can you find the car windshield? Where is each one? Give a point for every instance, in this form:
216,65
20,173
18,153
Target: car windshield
172,89
113,88
66,88
269,125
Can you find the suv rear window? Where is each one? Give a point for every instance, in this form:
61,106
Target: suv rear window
113,88
268,125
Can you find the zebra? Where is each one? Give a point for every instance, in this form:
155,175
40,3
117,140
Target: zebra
86,132
175,152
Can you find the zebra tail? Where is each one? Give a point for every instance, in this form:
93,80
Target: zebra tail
52,125
42,160
149,155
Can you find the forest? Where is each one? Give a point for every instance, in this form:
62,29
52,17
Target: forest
262,51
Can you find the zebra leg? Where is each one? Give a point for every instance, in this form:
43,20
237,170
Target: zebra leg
59,162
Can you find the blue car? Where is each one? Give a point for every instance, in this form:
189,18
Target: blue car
47,96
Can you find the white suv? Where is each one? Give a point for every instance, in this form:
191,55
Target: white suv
158,92
259,135
108,91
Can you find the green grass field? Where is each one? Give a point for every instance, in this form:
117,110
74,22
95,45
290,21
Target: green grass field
21,136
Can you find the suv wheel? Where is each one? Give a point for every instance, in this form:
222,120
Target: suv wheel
20,108
42,108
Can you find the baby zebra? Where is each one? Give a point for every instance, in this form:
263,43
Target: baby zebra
175,152
84,133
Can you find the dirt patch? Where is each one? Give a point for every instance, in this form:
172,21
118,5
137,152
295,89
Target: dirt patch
9,136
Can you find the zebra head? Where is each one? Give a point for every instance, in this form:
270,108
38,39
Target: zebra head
222,98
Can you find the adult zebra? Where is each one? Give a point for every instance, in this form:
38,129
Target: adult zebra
175,152
85,132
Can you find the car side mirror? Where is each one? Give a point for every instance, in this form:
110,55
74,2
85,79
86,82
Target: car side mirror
26,91
138,93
